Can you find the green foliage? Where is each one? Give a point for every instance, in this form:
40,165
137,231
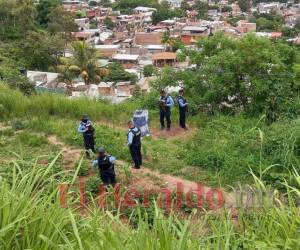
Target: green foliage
268,227
149,70
117,73
109,23
41,51
202,8
268,22
31,140
83,64
61,21
44,105
252,75
83,168
244,5
17,18
44,8
225,149
164,12
92,185
127,6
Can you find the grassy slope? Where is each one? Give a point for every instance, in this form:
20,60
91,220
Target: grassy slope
47,226
219,150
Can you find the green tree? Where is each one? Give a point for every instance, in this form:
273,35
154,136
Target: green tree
244,5
41,51
149,70
62,23
44,8
17,17
109,23
116,73
252,75
84,63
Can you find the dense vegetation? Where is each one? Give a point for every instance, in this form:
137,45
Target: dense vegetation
30,184
244,129
250,75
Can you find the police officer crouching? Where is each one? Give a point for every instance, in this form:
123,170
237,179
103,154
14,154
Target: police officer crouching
87,130
183,109
134,144
105,164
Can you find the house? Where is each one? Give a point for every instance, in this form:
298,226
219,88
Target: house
127,60
174,3
83,36
164,58
191,34
168,23
95,12
152,49
43,79
268,7
148,38
245,27
124,89
143,10
83,23
107,50
106,88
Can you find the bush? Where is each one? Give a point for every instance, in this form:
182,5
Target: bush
84,168
149,70
230,146
31,140
92,185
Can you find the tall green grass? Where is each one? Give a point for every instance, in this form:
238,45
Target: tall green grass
229,146
31,218
14,104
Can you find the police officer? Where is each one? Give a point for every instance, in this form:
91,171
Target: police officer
166,102
134,144
105,164
88,131
183,109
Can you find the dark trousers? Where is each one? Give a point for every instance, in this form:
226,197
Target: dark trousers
89,142
108,177
182,117
165,114
135,151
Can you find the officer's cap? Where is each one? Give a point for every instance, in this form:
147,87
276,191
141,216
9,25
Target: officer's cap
101,150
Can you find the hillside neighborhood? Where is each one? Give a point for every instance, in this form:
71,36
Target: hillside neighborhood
135,41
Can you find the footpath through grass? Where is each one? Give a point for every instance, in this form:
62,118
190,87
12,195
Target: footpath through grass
221,150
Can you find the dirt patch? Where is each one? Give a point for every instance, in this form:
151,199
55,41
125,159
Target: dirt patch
70,156
4,127
174,133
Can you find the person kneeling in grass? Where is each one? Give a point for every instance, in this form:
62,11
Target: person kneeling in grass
106,165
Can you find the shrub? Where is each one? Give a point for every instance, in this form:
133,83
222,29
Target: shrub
149,70
92,185
31,140
84,168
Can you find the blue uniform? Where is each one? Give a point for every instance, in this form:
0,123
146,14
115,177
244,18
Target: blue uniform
182,104
87,130
106,168
135,145
166,103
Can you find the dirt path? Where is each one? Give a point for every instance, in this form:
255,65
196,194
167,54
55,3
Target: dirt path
70,156
174,133
141,179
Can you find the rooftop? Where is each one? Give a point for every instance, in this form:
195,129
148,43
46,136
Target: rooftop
127,57
164,56
195,28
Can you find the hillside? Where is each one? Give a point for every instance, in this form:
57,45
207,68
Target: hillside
40,150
